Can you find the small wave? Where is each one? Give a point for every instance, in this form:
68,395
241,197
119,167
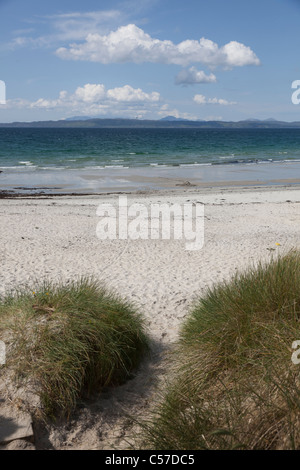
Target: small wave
226,157
19,168
9,168
55,168
93,168
159,165
115,166
27,163
188,165
139,153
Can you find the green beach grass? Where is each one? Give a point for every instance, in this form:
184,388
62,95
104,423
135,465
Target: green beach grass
67,341
236,386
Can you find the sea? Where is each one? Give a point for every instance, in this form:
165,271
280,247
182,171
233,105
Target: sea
31,155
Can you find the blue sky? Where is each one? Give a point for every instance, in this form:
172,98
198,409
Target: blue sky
194,59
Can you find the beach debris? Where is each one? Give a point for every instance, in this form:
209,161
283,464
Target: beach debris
273,249
185,183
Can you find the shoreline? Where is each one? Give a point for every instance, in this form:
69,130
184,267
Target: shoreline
108,180
229,187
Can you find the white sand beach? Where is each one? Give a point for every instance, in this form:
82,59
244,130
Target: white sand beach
55,238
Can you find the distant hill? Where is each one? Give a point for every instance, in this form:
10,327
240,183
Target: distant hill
261,120
173,118
96,123
79,118
85,118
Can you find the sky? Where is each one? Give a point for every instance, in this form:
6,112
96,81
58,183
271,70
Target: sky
147,59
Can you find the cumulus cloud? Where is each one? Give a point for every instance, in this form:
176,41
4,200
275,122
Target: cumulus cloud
131,44
97,94
95,99
201,99
89,93
129,94
193,76
238,55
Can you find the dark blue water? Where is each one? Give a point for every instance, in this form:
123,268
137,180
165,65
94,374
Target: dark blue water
50,149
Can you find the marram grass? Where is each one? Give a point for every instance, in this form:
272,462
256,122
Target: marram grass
236,386
69,340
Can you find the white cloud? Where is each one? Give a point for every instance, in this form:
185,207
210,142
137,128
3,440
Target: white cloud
73,26
201,99
192,76
17,103
89,93
96,95
94,99
238,55
129,94
77,25
131,44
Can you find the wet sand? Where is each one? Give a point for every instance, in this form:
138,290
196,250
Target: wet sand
97,181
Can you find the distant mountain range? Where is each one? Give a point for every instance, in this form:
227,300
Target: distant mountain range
173,118
79,118
164,123
85,118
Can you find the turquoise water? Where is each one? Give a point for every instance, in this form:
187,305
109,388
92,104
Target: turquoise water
54,149
99,160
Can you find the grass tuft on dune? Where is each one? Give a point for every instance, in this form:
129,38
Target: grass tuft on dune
236,386
67,341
